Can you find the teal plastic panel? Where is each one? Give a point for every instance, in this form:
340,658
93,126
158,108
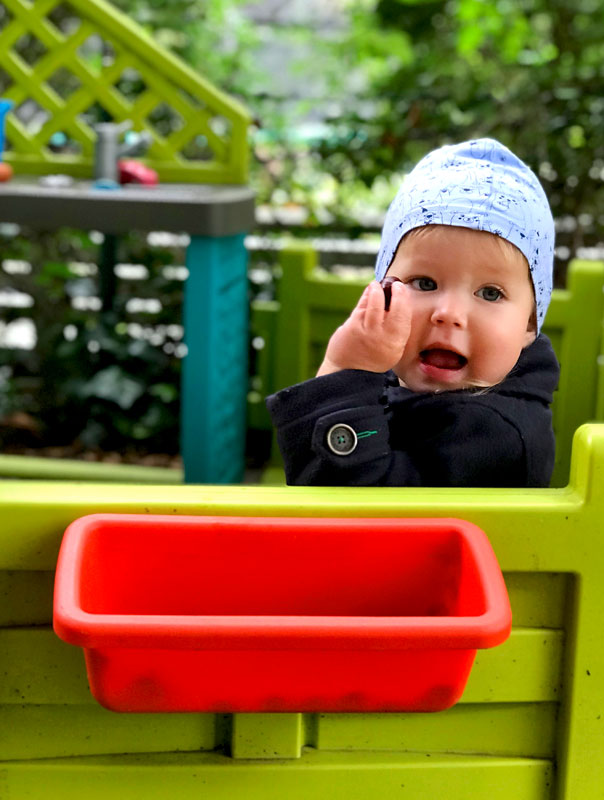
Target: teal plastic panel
215,380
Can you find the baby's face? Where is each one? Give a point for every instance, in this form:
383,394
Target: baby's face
471,302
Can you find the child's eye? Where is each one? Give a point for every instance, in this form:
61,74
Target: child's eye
423,284
490,293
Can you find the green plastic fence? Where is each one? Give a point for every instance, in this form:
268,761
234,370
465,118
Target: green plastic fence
600,398
312,303
88,56
529,726
67,469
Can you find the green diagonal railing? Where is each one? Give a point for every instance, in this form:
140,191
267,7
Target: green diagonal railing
87,58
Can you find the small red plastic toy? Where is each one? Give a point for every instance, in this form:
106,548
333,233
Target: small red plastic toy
131,171
6,172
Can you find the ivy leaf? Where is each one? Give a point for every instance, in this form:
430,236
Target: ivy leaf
114,385
166,392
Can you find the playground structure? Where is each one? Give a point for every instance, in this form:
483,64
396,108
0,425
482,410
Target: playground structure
529,724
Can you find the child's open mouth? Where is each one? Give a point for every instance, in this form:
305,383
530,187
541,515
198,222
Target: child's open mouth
440,358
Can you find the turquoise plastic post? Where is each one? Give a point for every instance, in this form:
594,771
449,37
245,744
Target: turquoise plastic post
214,380
5,107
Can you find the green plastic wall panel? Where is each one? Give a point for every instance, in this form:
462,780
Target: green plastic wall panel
322,776
26,597
268,736
538,599
528,725
263,321
49,731
514,729
525,668
574,323
600,400
37,670
91,55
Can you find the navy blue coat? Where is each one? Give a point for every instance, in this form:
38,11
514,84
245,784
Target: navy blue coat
357,428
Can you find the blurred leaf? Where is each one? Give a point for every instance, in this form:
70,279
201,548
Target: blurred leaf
166,392
114,385
55,270
146,426
93,434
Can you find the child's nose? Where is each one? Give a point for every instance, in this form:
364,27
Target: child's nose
449,310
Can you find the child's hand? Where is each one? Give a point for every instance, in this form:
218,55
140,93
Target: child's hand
372,338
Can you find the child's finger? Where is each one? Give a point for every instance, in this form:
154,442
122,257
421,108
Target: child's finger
358,312
374,313
362,304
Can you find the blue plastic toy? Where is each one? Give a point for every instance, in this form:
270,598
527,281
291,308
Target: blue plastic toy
5,107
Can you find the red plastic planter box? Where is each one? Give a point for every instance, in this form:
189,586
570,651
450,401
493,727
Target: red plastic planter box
278,614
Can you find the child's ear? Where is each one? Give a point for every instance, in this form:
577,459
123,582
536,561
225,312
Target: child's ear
531,329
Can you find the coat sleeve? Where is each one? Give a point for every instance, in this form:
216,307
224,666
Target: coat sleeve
312,416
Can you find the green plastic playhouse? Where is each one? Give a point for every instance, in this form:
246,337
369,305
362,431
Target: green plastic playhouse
530,723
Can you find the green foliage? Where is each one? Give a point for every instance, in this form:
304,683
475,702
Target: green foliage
88,378
528,73
99,389
213,36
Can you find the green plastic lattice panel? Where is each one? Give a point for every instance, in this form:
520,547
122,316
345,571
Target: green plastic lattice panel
68,64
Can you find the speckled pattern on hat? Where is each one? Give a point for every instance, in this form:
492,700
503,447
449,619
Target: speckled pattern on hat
482,185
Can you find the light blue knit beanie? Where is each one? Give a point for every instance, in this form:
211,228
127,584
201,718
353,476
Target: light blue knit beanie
482,185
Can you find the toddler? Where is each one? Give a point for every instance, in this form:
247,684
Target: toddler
451,386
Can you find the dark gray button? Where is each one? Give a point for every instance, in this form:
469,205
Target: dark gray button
341,439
